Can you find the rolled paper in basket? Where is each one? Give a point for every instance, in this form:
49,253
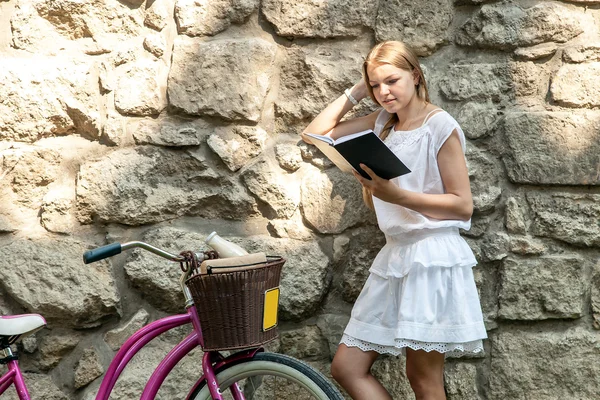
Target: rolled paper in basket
232,264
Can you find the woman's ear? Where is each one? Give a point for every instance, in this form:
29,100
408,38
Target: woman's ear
416,77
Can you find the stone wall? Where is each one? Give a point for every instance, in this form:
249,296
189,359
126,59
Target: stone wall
163,120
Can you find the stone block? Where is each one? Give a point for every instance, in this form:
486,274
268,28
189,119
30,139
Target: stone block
116,337
582,53
314,76
56,96
39,385
460,381
478,120
171,132
88,368
480,82
548,365
319,19
574,85
209,17
508,26
288,156
305,343
147,184
196,80
552,148
64,292
423,26
279,191
536,52
515,219
332,201
542,288
238,145
141,87
569,217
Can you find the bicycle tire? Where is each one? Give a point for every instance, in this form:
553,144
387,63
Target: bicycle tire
273,366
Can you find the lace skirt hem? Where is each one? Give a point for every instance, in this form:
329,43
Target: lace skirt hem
400,345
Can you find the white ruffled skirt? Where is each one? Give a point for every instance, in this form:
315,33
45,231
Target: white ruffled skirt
420,294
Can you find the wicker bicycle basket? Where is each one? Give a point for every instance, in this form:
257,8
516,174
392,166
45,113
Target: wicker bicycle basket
231,305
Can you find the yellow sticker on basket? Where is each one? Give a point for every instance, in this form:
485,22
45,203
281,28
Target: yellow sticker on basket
271,306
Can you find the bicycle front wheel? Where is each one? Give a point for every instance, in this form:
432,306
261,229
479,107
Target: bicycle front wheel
272,376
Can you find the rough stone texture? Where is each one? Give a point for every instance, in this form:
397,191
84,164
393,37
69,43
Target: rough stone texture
536,52
558,148
318,19
40,387
47,96
595,296
288,156
156,278
155,44
197,65
484,174
305,343
478,120
170,132
141,88
355,257
495,246
31,170
116,337
237,145
332,201
146,184
43,26
460,380
332,327
292,228
527,246
542,288
582,53
423,26
157,14
565,216
80,296
209,17
515,219
279,191
88,368
574,85
526,77
57,212
544,365
305,275
507,26
481,82
53,347
314,76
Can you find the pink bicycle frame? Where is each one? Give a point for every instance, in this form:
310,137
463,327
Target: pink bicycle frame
194,339
14,376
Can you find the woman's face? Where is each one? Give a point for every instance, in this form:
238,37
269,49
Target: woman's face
393,87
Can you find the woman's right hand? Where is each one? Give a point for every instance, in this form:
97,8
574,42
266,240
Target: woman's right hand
359,91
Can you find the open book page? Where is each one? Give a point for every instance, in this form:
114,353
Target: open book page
331,153
351,136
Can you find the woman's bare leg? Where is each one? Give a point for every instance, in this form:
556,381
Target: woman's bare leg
351,367
425,372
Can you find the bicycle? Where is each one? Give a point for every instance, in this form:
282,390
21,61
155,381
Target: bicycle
248,374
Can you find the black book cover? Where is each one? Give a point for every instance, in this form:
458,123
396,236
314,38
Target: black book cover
372,151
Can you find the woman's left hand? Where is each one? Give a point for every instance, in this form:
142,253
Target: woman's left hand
381,188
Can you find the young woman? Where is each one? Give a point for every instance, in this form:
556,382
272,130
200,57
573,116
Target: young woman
420,298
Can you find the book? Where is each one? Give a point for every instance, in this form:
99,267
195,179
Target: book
348,152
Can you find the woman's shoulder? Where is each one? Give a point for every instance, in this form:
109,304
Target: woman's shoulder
439,118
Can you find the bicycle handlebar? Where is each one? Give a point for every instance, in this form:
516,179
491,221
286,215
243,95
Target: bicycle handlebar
113,249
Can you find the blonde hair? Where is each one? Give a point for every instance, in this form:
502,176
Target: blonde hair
400,56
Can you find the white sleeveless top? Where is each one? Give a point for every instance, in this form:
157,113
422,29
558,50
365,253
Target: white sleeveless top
418,149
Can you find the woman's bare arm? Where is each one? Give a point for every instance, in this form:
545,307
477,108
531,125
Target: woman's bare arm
328,120
456,203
